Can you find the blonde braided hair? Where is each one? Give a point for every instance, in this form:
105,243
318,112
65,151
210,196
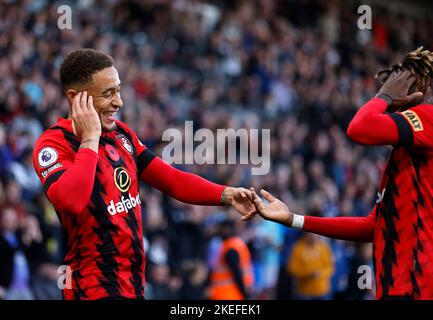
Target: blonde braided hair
419,63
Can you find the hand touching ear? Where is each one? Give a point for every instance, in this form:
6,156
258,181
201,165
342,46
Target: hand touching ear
395,91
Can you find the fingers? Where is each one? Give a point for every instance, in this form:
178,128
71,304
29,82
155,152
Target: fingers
76,103
256,207
415,98
83,101
267,195
400,75
90,102
254,194
251,214
256,199
248,217
258,203
252,211
410,80
403,75
246,194
393,76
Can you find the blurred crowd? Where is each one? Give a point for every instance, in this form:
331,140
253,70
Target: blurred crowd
300,68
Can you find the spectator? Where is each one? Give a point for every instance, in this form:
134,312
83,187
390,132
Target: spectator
15,273
311,264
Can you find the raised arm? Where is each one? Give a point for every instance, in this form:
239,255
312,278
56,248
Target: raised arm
344,228
373,126
68,179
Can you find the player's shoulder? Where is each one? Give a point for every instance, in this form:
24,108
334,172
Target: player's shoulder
52,138
50,135
57,131
47,148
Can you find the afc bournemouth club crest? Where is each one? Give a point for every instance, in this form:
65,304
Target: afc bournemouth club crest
126,144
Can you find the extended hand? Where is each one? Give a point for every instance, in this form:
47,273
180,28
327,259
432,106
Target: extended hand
396,90
275,211
241,199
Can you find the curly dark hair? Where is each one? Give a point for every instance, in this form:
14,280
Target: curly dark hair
79,66
419,63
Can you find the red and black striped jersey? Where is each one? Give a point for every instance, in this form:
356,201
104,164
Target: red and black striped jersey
105,237
403,230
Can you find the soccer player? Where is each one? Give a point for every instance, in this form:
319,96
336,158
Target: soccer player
401,223
90,165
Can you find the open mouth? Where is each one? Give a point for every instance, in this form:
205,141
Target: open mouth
109,115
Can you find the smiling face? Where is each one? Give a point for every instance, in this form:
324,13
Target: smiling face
93,71
105,89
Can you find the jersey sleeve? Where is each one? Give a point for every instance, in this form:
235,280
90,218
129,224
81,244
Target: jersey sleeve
344,228
415,126
67,177
51,158
371,125
183,186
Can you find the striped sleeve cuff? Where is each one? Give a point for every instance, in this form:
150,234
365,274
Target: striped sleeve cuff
405,135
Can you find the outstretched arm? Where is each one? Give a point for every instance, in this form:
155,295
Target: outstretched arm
344,228
191,188
358,229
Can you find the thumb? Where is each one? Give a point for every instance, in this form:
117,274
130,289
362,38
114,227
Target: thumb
267,195
415,98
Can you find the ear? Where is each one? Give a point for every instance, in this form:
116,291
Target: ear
70,94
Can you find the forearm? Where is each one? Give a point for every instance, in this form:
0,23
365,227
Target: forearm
194,189
90,143
70,190
372,126
358,229
183,186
